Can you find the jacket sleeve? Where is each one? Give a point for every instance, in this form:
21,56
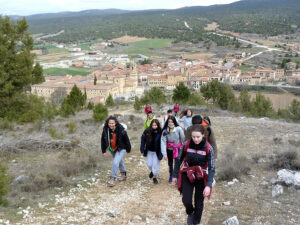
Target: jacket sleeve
145,124
143,142
181,135
178,161
126,142
211,166
212,141
104,140
163,145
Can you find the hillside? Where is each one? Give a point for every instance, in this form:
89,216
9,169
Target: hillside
267,17
242,142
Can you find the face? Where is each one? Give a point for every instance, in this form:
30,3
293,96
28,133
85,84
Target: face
169,114
154,126
189,113
150,115
112,124
170,123
197,137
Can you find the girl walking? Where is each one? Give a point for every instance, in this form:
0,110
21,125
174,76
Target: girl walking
195,169
150,148
171,141
186,119
115,138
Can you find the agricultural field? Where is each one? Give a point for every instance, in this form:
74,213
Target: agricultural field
63,71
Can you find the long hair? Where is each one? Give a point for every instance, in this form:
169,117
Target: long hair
184,112
111,118
151,130
174,121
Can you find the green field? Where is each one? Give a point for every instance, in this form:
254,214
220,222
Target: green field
245,68
63,71
87,46
153,43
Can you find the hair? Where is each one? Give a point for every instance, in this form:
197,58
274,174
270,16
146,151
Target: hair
170,111
170,118
206,118
151,130
198,128
111,118
197,119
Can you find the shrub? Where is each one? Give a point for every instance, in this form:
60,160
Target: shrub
5,124
137,104
286,160
90,106
154,95
50,111
196,99
53,133
4,184
232,166
100,112
72,127
109,101
181,93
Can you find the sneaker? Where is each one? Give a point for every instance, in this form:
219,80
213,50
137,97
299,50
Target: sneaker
111,182
190,219
170,180
151,175
155,181
122,177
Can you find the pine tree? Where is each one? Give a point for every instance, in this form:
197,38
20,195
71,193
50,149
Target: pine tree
95,80
181,93
109,101
100,112
137,104
37,74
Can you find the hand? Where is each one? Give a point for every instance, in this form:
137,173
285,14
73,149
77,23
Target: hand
105,154
174,180
206,191
165,158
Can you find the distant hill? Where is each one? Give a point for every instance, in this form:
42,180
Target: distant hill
267,17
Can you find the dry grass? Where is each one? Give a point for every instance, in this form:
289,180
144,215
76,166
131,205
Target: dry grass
211,26
202,56
128,39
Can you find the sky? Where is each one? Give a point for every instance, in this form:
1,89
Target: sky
29,7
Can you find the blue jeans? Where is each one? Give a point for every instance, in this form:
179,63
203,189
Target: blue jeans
118,163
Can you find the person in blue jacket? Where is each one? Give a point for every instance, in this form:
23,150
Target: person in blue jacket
150,148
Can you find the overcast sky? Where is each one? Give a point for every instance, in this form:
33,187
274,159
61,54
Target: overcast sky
28,7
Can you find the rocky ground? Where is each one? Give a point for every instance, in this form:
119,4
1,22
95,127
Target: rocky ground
139,201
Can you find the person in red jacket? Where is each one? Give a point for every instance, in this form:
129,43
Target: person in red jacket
176,109
148,108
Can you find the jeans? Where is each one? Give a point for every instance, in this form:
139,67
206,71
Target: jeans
170,162
153,162
118,163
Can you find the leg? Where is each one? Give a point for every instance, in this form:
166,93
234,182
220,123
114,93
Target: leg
187,194
116,163
199,201
121,164
149,160
155,164
170,162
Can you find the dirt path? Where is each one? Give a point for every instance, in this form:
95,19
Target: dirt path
135,201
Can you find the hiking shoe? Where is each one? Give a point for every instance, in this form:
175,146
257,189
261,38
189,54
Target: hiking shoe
190,219
151,175
122,177
111,183
155,181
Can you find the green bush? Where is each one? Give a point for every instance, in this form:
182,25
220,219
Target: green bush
181,93
53,133
137,104
154,95
196,99
72,127
90,106
109,101
5,124
100,112
4,184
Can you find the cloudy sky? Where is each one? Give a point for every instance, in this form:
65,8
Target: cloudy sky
28,7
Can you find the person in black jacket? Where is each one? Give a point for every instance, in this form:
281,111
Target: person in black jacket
115,138
150,148
196,173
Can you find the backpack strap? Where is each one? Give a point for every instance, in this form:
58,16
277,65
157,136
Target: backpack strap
207,148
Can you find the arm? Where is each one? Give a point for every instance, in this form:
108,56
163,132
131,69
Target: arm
178,161
163,145
127,142
143,142
212,141
103,141
145,124
181,135
211,166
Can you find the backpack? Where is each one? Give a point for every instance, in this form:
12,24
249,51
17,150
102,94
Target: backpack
206,124
187,143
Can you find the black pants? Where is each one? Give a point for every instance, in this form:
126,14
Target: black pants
187,197
170,161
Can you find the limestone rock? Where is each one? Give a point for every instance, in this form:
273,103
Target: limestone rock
231,221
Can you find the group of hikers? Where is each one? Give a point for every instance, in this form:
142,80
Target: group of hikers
187,142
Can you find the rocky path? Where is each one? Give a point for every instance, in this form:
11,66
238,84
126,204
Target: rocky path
135,201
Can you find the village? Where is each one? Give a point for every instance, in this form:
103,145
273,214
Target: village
124,77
